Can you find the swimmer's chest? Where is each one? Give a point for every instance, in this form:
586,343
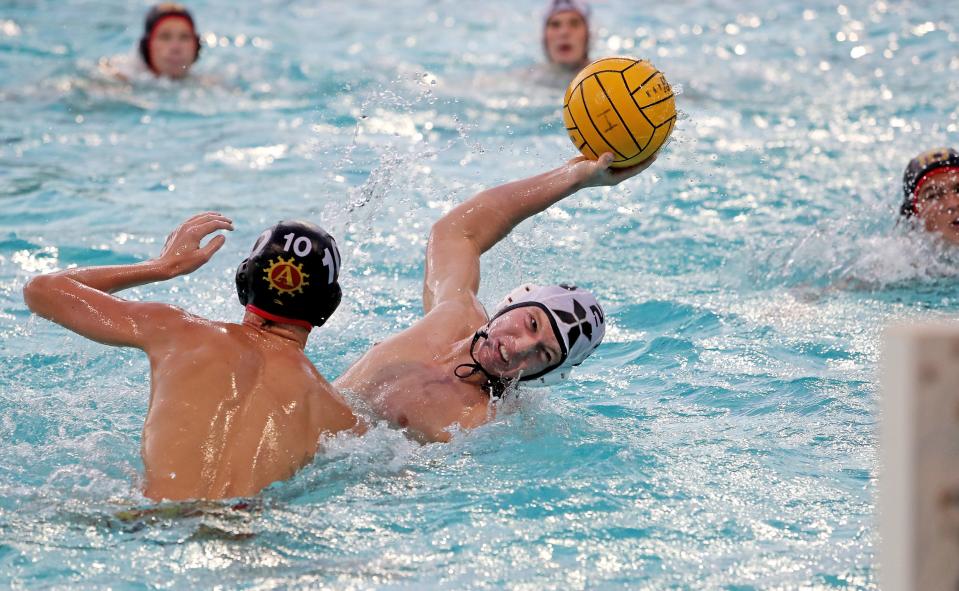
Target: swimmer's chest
424,397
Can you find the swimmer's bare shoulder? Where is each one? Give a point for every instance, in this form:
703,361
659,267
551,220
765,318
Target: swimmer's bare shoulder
448,321
401,377
198,346
229,388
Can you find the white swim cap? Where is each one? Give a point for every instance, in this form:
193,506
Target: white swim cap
580,7
577,319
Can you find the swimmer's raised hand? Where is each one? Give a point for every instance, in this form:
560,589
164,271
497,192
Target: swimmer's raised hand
597,173
182,252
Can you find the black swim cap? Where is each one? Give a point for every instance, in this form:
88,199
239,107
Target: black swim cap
291,275
153,18
918,168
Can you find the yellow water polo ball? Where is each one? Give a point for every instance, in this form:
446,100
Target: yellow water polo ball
620,105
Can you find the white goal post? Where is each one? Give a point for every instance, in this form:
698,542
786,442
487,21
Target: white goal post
919,443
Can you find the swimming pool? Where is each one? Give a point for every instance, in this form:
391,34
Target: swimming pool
723,436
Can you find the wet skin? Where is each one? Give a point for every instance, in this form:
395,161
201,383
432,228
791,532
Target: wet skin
172,47
233,407
411,378
520,342
937,204
566,36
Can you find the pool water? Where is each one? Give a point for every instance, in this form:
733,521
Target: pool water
723,437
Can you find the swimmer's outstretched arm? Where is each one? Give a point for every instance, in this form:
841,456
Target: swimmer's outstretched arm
80,300
459,238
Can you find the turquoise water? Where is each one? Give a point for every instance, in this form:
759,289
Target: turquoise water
724,437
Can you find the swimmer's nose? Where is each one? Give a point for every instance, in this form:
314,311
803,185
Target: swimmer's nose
526,346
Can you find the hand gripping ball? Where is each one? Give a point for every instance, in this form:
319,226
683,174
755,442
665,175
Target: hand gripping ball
620,105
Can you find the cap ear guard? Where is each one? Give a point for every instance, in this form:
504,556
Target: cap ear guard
328,306
242,282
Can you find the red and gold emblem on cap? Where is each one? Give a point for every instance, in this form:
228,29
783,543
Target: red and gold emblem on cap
932,156
285,276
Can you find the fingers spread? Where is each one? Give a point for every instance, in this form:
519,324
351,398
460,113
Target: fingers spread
198,216
202,218
212,225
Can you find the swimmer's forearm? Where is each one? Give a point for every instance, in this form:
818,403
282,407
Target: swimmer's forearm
80,300
489,216
182,254
461,236
58,296
119,277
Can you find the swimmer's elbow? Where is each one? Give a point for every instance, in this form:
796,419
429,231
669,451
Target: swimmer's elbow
31,293
39,293
455,225
441,233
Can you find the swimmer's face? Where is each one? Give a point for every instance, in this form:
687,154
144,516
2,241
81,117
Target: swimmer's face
520,341
566,37
937,204
173,47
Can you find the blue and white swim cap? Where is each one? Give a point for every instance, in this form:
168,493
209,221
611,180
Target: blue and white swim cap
577,319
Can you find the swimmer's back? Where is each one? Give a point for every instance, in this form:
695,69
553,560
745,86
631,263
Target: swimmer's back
232,410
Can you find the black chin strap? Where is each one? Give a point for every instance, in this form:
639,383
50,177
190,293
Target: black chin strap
494,386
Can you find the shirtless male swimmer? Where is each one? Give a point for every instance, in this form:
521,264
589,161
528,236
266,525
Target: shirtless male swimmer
233,407
447,368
